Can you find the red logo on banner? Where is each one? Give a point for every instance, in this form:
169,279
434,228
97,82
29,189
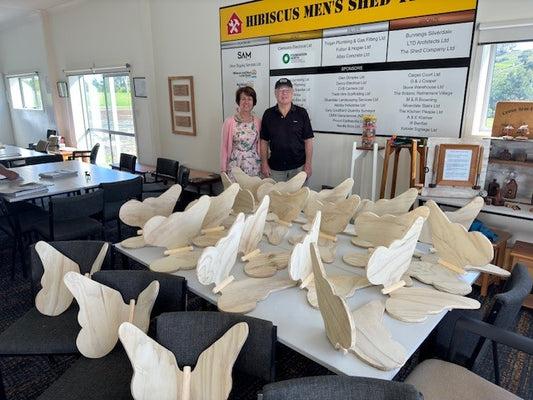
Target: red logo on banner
234,25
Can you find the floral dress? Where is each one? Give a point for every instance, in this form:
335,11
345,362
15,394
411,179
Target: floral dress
244,152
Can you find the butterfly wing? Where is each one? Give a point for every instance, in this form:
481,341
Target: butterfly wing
54,297
211,378
155,370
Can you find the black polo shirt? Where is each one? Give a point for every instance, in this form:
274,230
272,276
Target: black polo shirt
287,136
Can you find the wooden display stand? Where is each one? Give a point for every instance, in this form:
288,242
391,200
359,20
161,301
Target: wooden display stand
414,150
523,252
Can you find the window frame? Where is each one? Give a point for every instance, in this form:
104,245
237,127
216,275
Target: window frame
36,92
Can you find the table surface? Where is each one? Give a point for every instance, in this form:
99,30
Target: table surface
300,326
14,153
97,175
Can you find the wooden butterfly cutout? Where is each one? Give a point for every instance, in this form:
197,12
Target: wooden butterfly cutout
335,195
102,310
244,201
360,332
54,298
301,269
292,185
395,206
251,183
464,216
157,374
215,264
136,213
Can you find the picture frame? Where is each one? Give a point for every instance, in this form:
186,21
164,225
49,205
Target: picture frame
458,164
62,89
139,87
181,98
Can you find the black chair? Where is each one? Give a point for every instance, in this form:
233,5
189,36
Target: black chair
334,387
502,313
86,154
74,217
127,162
109,377
166,171
48,158
51,132
116,194
37,334
17,220
186,195
438,379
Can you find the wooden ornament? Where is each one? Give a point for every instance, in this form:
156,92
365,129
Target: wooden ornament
102,310
209,239
386,265
250,183
242,296
356,259
216,262
266,264
335,195
176,262
134,242
345,286
464,216
287,206
440,277
275,232
383,230
300,264
336,216
157,374
54,298
179,228
254,227
455,244
360,333
219,207
292,185
414,304
327,248
395,206
136,213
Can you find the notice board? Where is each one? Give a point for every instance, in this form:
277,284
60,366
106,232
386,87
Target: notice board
404,61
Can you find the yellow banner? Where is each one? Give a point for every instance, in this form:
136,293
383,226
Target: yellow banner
276,17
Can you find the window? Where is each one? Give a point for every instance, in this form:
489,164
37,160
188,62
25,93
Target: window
102,113
25,92
510,76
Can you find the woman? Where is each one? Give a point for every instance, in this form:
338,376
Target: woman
240,136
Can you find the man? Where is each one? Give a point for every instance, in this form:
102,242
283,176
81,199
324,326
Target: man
286,129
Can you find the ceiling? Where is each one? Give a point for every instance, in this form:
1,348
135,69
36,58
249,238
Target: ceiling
12,10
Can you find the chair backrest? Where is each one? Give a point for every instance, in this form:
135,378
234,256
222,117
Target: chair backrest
42,146
183,176
172,288
127,162
334,387
72,207
83,252
48,158
94,153
50,132
166,168
188,334
122,190
506,306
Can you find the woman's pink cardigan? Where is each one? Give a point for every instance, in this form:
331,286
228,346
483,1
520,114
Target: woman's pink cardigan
226,146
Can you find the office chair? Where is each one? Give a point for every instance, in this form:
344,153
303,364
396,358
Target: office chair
127,162
48,158
84,154
166,170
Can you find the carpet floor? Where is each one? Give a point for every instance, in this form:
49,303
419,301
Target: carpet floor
26,377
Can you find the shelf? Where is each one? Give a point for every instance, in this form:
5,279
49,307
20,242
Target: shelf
511,162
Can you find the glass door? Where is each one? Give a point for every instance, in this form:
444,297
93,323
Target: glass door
102,113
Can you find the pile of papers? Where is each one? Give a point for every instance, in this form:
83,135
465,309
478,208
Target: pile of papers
62,173
23,189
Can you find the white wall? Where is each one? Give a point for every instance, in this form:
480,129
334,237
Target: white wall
22,51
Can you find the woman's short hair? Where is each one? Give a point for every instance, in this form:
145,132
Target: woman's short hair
248,91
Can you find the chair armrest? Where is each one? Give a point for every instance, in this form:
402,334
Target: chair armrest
489,331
